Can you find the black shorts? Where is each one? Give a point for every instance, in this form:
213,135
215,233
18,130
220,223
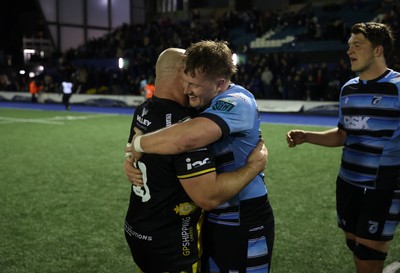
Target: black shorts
367,213
194,268
238,249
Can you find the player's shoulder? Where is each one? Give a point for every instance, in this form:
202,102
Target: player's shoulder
393,76
239,94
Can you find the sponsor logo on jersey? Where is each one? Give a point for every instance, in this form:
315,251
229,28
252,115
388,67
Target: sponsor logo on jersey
187,236
137,235
144,111
224,104
168,119
143,121
241,96
196,164
356,122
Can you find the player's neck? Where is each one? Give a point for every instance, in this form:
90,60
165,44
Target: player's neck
373,72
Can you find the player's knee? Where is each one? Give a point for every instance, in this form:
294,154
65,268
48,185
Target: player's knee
363,252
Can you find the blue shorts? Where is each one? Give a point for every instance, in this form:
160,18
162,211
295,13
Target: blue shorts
371,214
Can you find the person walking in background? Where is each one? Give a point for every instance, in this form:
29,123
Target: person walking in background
368,183
67,93
34,89
231,124
165,214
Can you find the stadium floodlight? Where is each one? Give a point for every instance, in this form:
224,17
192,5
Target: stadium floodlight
120,63
235,58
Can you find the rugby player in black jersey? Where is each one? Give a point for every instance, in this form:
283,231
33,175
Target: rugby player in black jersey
165,214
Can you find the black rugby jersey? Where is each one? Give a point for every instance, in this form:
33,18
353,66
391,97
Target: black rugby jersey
162,223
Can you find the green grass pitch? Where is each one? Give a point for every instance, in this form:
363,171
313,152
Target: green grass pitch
63,197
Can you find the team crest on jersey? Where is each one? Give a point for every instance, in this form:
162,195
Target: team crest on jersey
372,227
185,208
376,100
224,104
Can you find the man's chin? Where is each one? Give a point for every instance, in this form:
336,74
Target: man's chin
194,104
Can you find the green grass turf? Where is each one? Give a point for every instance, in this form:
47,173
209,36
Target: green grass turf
64,196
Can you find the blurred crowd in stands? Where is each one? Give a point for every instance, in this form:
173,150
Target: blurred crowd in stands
269,75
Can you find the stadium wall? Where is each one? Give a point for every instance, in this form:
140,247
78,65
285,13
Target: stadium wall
281,106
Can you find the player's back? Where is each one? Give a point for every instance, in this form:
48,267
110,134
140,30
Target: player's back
162,223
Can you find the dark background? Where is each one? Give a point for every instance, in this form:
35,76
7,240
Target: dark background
18,18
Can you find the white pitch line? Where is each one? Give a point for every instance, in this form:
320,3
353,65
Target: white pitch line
391,268
57,120
5,120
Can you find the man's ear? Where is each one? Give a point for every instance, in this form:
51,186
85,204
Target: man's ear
221,83
379,51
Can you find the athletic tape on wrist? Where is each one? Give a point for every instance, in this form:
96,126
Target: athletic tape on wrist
136,144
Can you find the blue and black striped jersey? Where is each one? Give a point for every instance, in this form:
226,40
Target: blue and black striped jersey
370,115
236,113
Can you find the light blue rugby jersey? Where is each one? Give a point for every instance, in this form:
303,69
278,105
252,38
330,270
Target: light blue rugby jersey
235,111
370,115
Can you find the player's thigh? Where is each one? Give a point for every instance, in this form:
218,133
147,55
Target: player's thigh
228,248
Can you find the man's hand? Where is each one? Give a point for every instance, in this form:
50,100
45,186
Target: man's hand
258,157
131,157
295,137
134,174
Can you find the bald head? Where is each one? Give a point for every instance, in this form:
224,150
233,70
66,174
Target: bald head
168,83
168,63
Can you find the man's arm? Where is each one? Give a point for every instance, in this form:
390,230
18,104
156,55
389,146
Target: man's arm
178,138
330,138
210,190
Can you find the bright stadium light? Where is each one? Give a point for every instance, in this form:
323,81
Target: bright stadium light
235,58
121,63
22,72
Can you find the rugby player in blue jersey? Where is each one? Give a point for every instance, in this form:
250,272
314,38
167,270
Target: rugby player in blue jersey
239,234
164,217
368,183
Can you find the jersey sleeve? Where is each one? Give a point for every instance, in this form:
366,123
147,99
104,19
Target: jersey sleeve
231,113
194,163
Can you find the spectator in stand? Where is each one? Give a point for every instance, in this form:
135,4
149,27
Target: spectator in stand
266,78
48,84
6,84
